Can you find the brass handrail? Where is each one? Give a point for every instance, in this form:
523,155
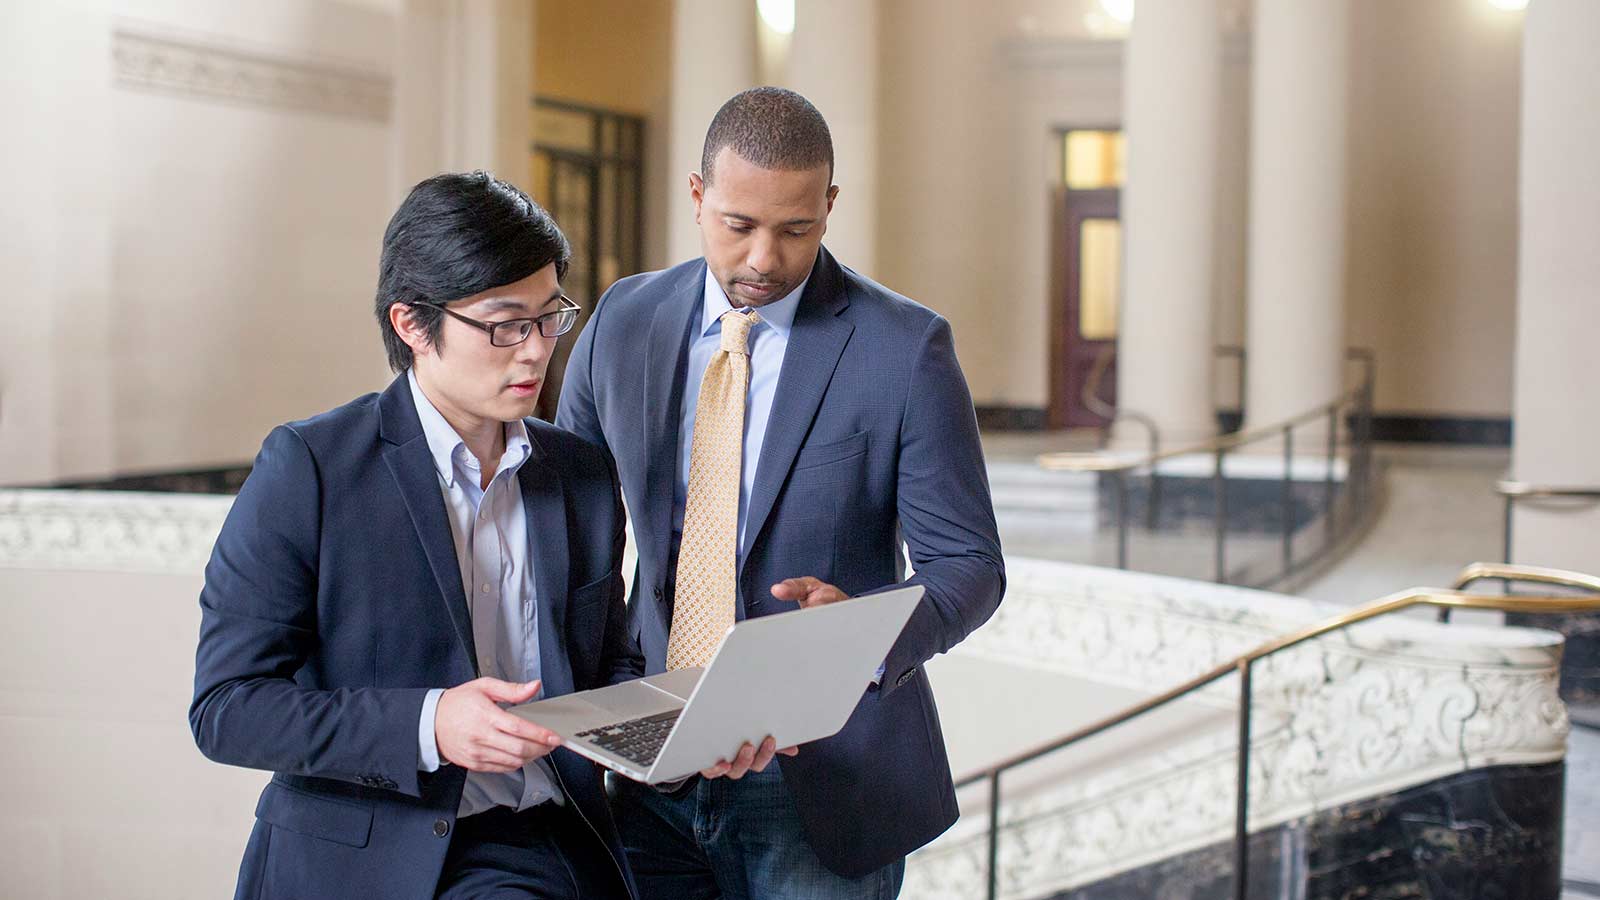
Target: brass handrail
1507,487
1419,596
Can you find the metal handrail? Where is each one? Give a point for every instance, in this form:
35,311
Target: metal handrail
1101,461
1513,491
1447,599
1118,468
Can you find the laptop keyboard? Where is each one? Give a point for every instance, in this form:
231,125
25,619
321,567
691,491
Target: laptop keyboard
636,740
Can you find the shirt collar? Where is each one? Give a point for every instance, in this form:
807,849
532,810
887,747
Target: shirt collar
779,314
446,446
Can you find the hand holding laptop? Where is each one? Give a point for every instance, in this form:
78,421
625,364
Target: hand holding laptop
793,677
472,731
748,759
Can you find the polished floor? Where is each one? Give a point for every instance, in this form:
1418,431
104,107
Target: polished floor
1437,511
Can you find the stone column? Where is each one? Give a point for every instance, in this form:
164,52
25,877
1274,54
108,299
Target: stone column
713,58
1558,292
1295,313
1170,112
464,89
833,62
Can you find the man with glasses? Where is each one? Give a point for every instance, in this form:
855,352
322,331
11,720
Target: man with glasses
398,570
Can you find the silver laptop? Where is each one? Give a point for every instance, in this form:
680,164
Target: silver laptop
795,675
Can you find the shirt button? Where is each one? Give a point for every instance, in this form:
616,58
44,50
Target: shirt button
440,828
483,588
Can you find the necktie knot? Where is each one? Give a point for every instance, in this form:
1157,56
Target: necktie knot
736,330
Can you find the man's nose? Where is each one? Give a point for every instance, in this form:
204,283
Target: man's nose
763,256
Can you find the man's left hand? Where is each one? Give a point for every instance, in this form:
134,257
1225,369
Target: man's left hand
807,591
749,759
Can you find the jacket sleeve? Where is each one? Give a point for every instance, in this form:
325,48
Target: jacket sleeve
577,411
946,515
622,660
258,630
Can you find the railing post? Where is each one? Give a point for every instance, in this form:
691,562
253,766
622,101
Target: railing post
1505,549
1241,827
1331,532
1288,500
1220,481
1121,486
994,834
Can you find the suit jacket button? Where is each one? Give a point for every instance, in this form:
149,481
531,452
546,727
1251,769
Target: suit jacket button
440,828
901,681
388,784
658,593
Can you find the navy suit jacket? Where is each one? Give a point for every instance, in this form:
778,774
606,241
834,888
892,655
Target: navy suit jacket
333,602
872,439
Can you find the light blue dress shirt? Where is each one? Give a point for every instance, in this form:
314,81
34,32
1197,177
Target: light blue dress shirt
769,340
493,552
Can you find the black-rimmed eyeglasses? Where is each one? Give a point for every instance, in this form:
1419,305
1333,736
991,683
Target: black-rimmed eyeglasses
512,332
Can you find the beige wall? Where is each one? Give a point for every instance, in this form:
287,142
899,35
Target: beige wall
96,745
617,54
970,95
1433,202
970,99
196,268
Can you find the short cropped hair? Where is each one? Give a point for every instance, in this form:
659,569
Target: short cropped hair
771,127
456,235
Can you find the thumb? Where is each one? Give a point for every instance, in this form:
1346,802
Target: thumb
510,692
791,589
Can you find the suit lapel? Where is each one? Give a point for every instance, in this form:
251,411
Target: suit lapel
815,344
666,362
418,483
545,507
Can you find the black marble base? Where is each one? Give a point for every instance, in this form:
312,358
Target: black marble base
1011,418
226,480
1580,659
1493,432
1488,834
1255,505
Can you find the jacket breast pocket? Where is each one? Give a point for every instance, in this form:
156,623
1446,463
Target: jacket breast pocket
832,452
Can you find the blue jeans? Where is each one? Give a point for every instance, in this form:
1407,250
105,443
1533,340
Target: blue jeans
734,840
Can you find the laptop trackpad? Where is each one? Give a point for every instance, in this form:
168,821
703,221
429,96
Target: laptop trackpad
632,699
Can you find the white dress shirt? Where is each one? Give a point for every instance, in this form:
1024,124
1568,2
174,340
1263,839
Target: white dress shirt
496,563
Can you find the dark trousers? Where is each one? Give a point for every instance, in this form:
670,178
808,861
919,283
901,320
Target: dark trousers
733,840
543,853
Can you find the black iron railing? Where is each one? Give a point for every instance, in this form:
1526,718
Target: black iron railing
1347,417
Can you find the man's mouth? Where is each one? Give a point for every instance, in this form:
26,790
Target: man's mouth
525,388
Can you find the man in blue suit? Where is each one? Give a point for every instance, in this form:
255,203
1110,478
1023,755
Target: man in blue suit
857,432
397,570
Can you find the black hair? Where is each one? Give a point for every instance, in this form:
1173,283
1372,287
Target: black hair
456,235
771,127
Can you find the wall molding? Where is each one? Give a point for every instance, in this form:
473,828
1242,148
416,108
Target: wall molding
110,531
179,64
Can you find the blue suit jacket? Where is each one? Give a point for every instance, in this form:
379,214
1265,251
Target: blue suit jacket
872,439
333,602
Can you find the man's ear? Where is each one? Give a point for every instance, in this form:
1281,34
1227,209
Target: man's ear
833,191
697,193
405,324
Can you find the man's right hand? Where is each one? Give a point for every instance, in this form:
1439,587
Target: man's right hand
475,733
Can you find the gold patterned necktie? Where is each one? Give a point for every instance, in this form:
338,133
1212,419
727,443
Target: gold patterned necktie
706,589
